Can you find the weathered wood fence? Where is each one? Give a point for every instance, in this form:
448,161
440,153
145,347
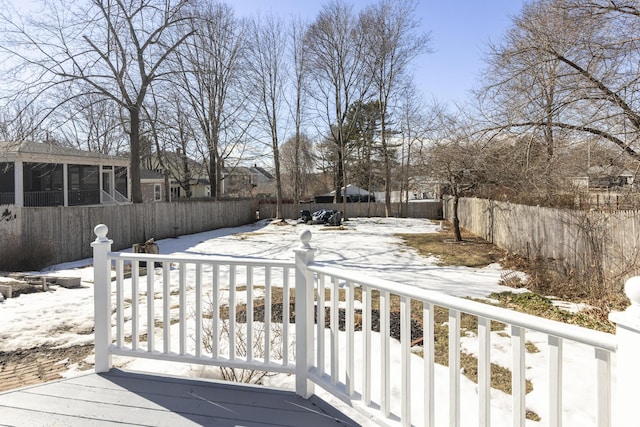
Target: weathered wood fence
572,239
431,209
66,230
70,229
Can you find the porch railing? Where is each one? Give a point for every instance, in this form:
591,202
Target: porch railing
44,198
116,199
83,197
345,333
7,198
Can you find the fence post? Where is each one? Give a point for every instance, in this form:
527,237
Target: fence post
102,298
304,315
628,352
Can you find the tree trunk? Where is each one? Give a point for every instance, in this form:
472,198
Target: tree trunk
456,219
134,160
276,161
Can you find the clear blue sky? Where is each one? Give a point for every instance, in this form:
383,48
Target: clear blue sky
460,30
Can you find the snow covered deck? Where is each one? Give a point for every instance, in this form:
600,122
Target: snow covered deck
125,398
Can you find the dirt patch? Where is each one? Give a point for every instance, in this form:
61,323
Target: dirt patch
39,364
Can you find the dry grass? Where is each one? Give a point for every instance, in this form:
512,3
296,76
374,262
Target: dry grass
543,279
472,251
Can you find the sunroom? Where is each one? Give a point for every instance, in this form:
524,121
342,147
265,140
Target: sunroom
34,174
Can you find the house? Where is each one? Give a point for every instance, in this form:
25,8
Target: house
152,185
609,177
242,180
605,177
188,178
353,193
34,174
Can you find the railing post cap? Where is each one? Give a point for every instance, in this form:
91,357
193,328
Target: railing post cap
305,238
101,231
632,291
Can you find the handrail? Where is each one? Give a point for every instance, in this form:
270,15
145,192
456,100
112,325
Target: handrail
550,327
119,199
197,258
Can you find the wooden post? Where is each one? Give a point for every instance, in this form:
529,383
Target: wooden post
102,298
627,367
304,315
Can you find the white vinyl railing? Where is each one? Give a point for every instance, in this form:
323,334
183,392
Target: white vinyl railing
352,336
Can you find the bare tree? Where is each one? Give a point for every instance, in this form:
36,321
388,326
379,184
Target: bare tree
212,64
115,48
455,159
572,66
19,121
392,42
92,123
338,75
413,124
266,70
298,55
297,162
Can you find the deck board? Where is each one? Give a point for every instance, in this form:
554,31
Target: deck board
123,398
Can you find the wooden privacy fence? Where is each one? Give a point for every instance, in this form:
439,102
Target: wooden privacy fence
431,209
69,229
573,239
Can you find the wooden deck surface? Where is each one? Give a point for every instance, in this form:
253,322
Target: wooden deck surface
126,398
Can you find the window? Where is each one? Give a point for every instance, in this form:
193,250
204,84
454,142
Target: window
157,192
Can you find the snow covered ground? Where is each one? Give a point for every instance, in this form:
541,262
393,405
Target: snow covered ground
64,317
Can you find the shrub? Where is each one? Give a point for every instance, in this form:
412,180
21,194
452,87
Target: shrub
25,254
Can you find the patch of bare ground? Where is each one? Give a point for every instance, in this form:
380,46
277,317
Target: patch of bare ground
25,367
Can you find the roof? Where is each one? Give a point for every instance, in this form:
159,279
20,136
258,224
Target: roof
151,175
352,190
244,170
264,172
608,170
46,151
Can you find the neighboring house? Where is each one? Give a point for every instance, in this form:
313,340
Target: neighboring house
353,193
44,174
152,184
187,177
241,180
605,177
